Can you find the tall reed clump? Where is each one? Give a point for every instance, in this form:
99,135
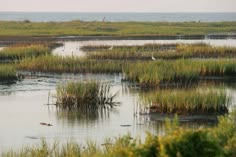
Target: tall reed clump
187,101
7,73
60,64
23,51
178,71
85,96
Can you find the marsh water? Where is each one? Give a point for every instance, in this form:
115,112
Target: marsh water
23,106
73,47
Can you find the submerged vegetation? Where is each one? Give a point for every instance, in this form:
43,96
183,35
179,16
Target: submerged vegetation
177,141
81,28
85,96
202,100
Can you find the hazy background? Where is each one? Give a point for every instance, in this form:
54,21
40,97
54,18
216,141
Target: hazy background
119,5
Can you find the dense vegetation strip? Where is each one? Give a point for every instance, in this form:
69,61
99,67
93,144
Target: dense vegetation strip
205,51
159,51
27,28
22,51
154,73
177,141
186,101
59,64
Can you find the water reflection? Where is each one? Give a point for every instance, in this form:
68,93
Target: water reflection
73,117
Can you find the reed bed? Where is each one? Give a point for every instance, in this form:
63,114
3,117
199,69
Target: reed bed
23,51
205,51
159,51
142,52
154,73
85,96
200,100
59,64
7,73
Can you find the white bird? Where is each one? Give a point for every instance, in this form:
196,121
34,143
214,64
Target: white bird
111,48
153,58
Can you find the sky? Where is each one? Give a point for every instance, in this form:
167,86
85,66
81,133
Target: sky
118,5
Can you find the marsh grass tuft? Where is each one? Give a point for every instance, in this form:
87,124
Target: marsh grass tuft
200,100
85,96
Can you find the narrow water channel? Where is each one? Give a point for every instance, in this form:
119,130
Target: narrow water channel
73,47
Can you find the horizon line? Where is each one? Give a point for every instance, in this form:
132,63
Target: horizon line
112,12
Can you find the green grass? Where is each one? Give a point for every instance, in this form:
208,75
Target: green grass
154,73
22,51
7,73
59,64
205,51
10,28
145,73
144,52
159,51
187,101
84,96
218,141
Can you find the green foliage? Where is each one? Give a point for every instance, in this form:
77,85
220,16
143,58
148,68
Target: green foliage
192,143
